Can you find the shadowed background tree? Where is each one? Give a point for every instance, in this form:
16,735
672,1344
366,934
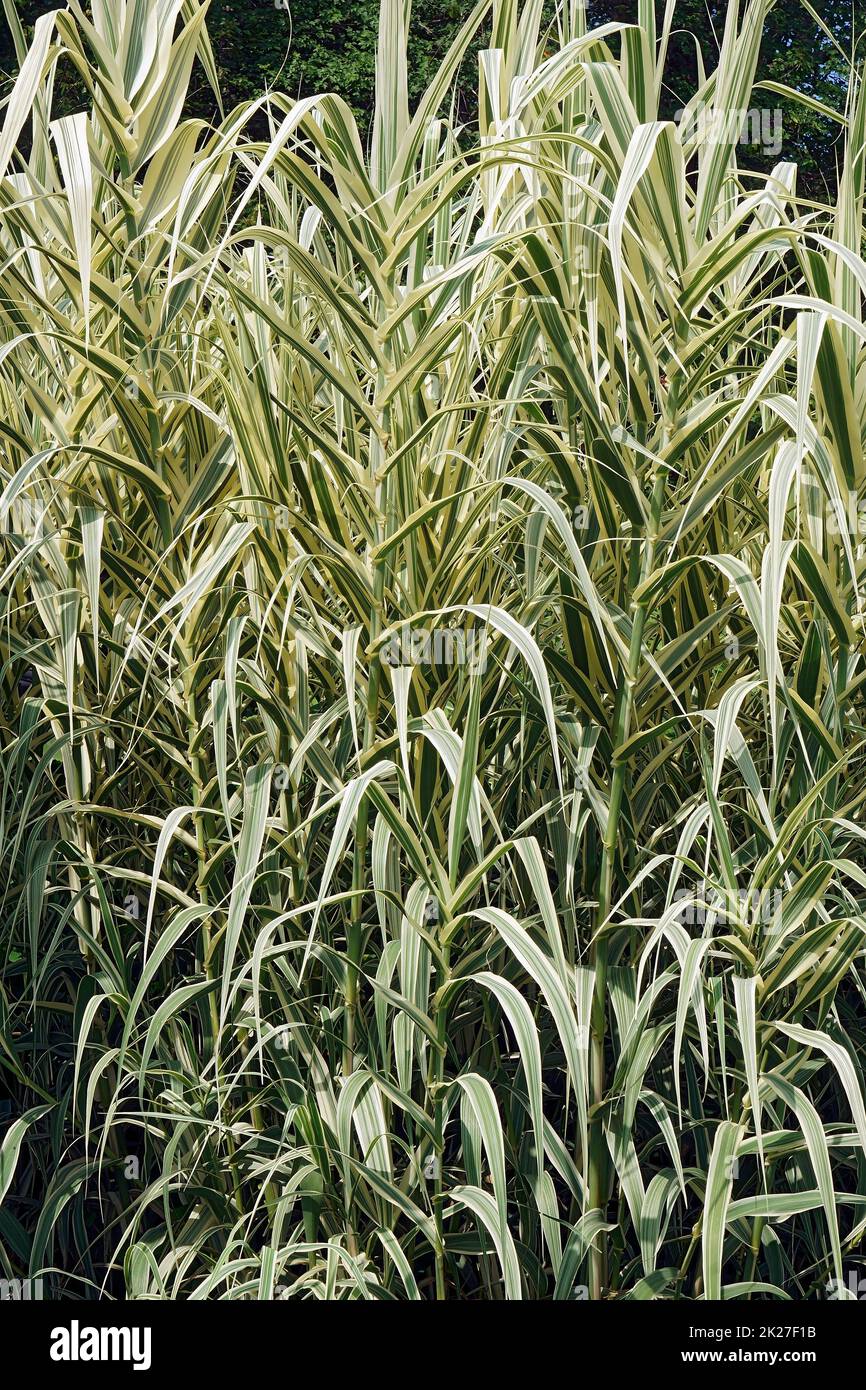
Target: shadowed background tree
303,46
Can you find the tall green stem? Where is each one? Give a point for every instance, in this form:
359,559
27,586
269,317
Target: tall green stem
355,937
437,1069
598,1160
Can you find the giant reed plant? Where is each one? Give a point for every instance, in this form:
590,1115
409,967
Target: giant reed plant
432,678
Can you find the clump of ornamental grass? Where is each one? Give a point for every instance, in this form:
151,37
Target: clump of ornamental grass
431,752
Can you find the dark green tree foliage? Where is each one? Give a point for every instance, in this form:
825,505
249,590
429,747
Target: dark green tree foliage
311,47
301,48
795,53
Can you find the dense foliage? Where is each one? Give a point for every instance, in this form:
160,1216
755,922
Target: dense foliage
302,47
431,678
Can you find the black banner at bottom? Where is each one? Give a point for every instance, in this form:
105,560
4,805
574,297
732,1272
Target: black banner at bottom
143,1338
